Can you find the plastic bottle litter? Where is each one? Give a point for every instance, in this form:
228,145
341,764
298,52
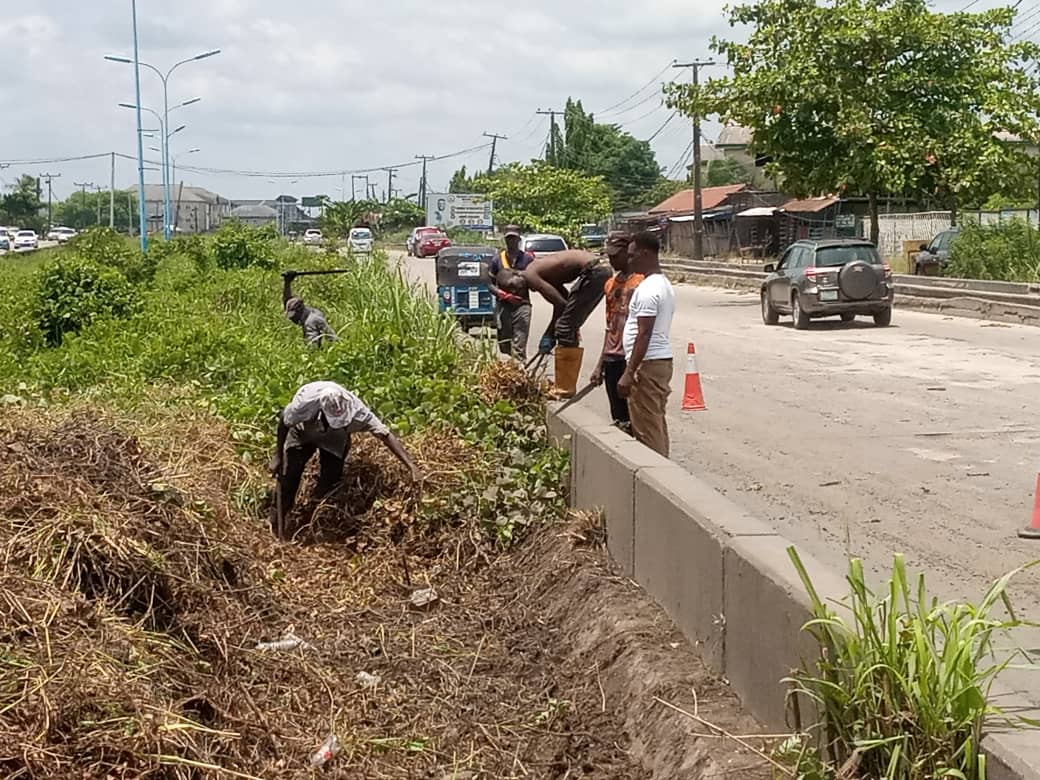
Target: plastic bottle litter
289,642
328,750
367,680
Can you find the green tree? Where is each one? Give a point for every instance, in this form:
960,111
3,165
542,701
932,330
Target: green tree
662,191
80,210
877,96
460,182
21,206
626,164
545,199
726,171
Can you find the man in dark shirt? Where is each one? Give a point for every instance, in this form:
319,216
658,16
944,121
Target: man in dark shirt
316,329
513,307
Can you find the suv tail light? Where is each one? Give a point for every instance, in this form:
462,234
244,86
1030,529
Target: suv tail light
888,270
820,275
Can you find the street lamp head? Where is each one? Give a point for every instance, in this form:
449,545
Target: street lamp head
182,127
191,102
128,105
204,55
124,60
193,151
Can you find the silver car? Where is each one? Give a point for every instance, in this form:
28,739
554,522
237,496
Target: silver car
841,277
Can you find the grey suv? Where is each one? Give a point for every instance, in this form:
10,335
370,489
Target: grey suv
842,277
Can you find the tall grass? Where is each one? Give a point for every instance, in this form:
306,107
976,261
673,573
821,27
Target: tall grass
903,682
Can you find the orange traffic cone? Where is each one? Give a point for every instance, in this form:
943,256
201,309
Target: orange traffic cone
1032,531
693,397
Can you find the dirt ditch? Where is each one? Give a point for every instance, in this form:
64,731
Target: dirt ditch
136,596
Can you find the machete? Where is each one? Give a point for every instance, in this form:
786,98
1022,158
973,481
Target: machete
577,396
317,273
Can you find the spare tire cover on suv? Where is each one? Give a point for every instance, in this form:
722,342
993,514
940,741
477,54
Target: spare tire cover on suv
857,280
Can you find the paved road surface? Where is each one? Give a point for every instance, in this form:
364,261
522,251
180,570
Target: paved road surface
921,438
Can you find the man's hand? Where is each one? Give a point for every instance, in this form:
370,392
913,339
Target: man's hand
625,384
515,300
546,344
597,376
276,466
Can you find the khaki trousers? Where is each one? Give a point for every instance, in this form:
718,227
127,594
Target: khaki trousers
648,404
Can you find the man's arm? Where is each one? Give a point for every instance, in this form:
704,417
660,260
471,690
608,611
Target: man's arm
639,348
393,444
546,290
597,372
287,280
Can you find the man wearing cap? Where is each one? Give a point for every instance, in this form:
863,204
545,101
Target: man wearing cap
587,274
316,329
617,293
321,418
513,307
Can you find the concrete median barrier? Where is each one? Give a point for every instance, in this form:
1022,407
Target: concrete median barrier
723,577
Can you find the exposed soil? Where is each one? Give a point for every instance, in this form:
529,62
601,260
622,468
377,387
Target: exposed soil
134,592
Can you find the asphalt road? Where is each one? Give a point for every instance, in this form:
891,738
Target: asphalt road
920,438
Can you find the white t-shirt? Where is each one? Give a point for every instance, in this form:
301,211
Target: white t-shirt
654,297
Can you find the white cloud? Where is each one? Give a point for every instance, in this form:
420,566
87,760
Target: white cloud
332,84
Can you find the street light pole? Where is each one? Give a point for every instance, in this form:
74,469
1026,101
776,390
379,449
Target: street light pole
140,139
165,78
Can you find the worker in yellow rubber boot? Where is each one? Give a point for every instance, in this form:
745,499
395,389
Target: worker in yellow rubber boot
549,276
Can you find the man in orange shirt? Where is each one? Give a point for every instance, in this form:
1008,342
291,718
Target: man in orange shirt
618,292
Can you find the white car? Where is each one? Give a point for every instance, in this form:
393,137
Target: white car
312,237
25,240
543,244
60,234
361,240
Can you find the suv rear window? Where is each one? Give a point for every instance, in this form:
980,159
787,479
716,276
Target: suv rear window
546,245
842,255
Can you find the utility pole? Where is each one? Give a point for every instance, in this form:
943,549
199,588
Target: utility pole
112,195
389,182
97,198
494,141
83,185
551,151
422,181
48,177
698,209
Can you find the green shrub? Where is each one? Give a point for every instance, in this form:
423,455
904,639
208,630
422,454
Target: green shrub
103,246
73,292
1008,251
902,684
237,246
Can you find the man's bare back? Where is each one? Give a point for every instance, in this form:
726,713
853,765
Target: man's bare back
550,275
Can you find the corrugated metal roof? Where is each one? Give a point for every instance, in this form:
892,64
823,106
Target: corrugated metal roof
711,197
809,205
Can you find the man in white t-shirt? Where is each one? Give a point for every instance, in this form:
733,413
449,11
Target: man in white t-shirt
646,382
320,419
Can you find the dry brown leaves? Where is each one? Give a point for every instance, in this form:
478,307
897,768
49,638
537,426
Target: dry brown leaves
134,592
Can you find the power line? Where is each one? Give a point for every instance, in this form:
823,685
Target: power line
662,127
639,91
633,107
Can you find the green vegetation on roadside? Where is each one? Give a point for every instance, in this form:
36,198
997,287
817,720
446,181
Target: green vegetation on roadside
1007,252
207,329
902,684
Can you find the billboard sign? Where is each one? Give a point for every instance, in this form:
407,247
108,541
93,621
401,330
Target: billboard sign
454,209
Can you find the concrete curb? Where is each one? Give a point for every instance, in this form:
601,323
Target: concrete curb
722,576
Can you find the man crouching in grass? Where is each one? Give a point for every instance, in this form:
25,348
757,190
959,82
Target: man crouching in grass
321,418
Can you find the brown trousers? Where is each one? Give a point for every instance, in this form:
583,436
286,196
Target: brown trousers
648,404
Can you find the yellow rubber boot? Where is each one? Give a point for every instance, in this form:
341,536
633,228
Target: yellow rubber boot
568,367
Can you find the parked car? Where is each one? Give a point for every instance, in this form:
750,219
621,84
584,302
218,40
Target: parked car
843,277
935,255
26,239
593,236
5,242
429,244
61,234
361,240
543,243
412,243
312,237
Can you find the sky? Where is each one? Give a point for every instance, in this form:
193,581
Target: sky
327,86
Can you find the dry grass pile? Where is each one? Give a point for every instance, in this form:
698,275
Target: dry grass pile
135,594
506,380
